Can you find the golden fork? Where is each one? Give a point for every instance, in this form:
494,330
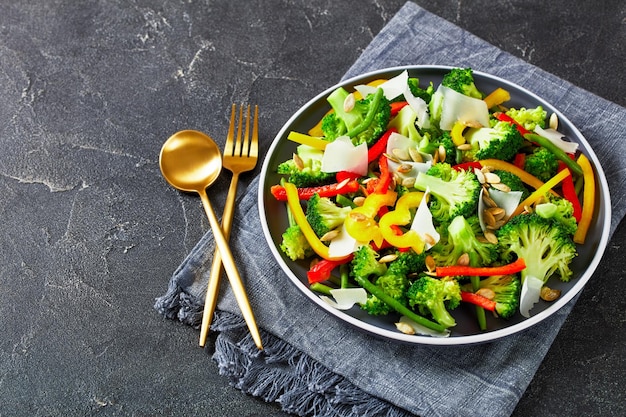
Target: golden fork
240,155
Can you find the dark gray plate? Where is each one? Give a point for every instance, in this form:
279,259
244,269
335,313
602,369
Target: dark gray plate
274,218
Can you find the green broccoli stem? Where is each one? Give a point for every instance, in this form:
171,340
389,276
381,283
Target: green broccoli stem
480,312
321,288
371,112
378,292
558,152
344,272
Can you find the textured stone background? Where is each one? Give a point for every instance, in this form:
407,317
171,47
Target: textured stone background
91,233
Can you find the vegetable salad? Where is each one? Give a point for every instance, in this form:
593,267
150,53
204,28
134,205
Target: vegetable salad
410,199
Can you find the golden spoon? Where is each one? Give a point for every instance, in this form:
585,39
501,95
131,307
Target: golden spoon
191,161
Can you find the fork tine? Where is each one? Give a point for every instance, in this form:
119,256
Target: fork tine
246,137
237,151
228,146
254,146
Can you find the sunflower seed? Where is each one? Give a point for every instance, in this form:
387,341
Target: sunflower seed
490,220
359,217
492,178
391,157
501,187
408,182
349,102
358,201
549,294
330,235
442,153
491,237
430,263
464,147
488,293
489,201
463,260
479,175
401,154
404,168
298,161
405,328
343,183
498,213
388,258
415,155
554,121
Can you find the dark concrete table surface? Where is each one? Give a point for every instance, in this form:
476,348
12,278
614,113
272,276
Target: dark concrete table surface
91,233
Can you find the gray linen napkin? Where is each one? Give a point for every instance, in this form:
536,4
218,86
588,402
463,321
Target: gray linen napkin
314,364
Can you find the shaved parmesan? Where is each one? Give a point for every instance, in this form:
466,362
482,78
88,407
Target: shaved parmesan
531,290
556,138
459,107
342,155
392,88
423,223
419,106
345,298
507,201
343,244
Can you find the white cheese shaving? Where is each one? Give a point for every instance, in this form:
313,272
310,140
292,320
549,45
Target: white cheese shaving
343,244
419,106
459,107
345,298
531,290
556,138
423,223
392,88
342,155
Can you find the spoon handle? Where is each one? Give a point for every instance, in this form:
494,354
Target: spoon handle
216,268
231,270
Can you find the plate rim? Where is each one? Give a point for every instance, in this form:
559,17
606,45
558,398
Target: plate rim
488,336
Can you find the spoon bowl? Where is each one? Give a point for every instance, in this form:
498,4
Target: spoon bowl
190,160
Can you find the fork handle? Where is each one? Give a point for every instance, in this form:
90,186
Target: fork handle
213,285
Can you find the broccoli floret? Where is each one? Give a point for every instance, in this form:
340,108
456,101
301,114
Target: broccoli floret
435,297
542,164
445,140
407,262
500,141
294,244
308,170
560,210
454,192
506,292
365,263
461,238
364,123
529,118
425,94
461,80
544,245
513,182
324,215
394,285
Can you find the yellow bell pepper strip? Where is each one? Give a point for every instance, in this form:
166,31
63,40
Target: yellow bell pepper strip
401,216
496,97
541,191
300,218
589,197
317,129
315,142
558,152
457,133
481,271
526,178
360,222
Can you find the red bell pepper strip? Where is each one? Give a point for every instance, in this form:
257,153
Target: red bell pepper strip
396,106
569,193
321,271
479,300
342,175
305,193
503,117
482,271
467,166
385,176
380,146
520,160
